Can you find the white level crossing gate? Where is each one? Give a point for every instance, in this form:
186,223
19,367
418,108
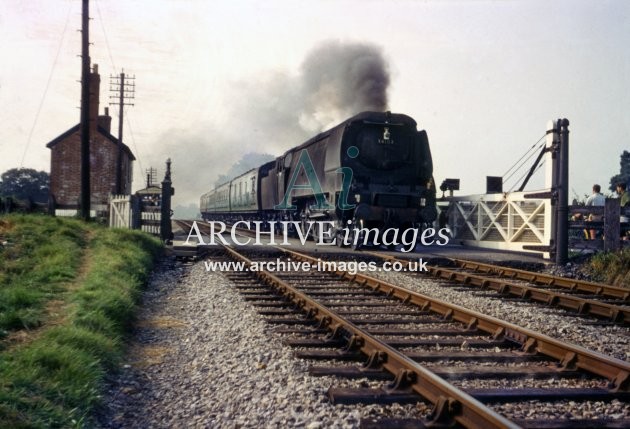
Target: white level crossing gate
507,221
525,221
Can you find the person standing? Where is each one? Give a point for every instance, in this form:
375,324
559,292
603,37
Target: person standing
596,200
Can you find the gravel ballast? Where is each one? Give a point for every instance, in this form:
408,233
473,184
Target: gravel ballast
612,340
200,356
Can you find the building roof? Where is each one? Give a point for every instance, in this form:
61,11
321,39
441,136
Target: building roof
153,189
100,129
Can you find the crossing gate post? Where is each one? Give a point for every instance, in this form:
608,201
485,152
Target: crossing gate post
551,182
562,230
166,233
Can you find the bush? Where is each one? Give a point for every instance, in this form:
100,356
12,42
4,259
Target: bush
611,267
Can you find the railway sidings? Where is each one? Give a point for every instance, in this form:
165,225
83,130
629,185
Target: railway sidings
582,297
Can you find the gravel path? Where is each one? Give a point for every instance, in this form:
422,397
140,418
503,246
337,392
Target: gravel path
202,357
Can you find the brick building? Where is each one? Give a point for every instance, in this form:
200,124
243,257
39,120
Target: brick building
65,160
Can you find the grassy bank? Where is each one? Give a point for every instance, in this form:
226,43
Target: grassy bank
67,294
611,267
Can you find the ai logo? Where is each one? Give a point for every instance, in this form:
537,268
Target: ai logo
321,203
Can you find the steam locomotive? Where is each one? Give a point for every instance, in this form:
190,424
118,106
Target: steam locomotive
373,170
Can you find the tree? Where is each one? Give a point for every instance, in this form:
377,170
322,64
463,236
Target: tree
624,171
25,183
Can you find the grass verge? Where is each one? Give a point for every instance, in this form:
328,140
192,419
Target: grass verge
39,257
95,274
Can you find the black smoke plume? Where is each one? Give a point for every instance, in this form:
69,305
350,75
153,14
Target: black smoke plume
340,80
275,111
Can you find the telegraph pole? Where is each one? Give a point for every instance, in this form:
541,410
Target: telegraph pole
85,112
124,91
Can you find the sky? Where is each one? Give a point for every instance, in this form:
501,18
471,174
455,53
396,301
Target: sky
217,80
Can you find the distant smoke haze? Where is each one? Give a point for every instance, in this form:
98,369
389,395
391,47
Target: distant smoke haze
246,163
273,112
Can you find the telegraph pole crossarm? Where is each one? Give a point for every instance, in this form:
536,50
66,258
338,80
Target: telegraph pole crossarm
123,87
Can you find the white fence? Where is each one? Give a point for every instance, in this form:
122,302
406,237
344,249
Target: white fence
72,213
150,222
120,211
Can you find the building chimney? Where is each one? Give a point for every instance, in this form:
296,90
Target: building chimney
105,121
95,84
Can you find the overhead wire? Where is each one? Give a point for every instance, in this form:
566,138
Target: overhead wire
523,159
525,154
525,174
523,164
126,112
50,75
109,51
133,141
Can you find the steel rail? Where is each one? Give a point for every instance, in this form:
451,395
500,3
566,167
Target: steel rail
569,356
599,289
575,285
585,306
449,402
615,313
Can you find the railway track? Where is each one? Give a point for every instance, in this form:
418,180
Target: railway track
466,364
598,300
585,298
